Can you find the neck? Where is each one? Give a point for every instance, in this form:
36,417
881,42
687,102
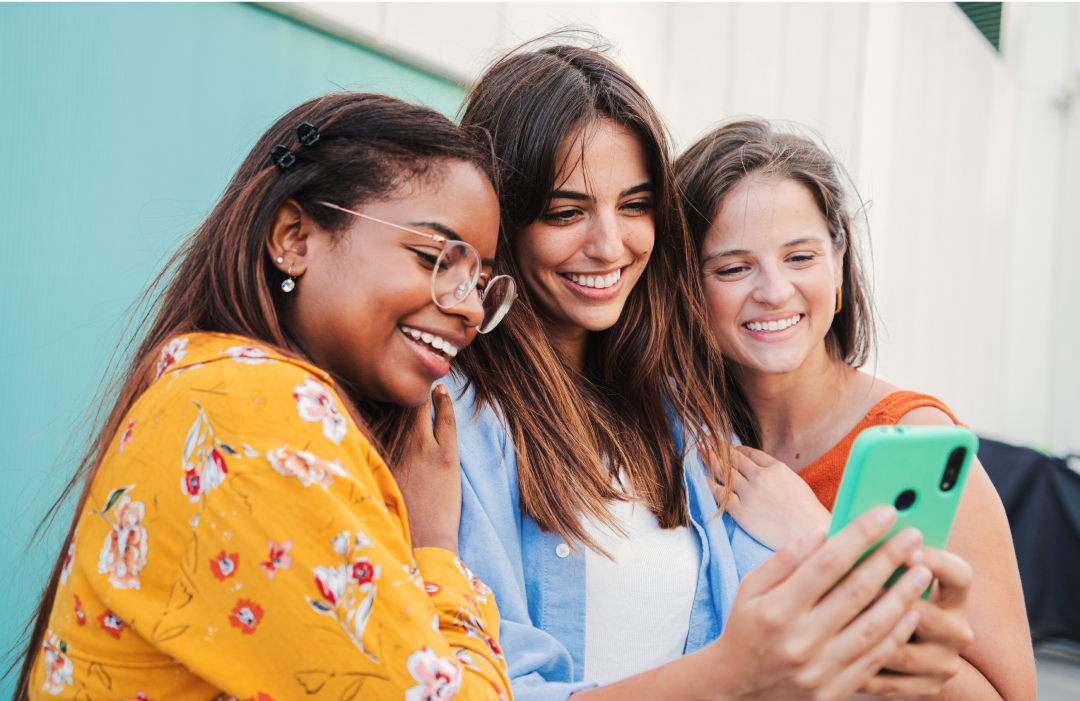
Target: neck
791,404
569,343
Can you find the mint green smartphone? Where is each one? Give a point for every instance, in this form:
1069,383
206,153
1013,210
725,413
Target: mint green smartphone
921,470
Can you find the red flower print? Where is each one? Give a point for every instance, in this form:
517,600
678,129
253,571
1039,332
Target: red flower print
224,566
363,572
111,623
170,355
125,437
189,484
246,354
279,558
246,616
123,554
80,615
432,588
263,696
141,696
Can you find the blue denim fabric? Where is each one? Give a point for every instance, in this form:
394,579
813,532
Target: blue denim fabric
541,596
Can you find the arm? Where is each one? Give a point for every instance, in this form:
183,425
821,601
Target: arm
298,564
794,633
999,664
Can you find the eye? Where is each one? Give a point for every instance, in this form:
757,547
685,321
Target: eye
801,258
638,207
732,270
562,216
426,257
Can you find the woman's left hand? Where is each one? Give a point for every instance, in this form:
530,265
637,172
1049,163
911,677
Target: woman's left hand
768,499
429,476
920,668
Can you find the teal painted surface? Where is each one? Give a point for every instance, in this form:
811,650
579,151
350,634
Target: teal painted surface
120,126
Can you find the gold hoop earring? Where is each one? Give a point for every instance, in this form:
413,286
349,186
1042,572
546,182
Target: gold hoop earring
839,300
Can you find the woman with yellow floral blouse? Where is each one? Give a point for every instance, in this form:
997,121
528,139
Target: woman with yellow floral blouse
238,533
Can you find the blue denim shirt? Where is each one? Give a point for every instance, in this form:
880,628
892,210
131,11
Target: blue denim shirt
539,582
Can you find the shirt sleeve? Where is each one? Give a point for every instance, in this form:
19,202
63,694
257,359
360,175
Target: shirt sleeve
299,577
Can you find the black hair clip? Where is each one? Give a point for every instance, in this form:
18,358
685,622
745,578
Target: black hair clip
282,157
307,134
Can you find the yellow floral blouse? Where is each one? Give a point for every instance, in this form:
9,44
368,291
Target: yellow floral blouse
244,540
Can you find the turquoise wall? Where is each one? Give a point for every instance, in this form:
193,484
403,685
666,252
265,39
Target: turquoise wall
120,125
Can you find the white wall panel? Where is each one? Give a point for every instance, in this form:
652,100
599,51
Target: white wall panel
971,172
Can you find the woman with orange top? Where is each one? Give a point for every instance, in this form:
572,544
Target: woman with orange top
789,304
238,533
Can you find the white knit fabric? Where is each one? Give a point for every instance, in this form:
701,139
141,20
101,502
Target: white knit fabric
637,605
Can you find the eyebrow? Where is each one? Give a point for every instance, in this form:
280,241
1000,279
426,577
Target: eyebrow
746,251
561,194
449,233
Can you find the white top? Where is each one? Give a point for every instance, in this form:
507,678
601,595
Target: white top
637,605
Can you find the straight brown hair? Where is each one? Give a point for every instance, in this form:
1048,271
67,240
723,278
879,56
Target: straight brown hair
725,157
657,365
222,280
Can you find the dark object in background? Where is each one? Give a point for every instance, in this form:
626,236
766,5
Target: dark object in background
1042,499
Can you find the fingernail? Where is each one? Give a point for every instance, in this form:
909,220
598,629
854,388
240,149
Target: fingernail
441,389
911,537
916,557
885,515
921,578
911,619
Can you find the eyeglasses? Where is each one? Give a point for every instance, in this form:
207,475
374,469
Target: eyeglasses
457,272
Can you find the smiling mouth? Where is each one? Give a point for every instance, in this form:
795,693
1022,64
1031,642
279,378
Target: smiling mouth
436,344
597,281
772,326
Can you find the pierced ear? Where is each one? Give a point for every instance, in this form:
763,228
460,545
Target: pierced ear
286,240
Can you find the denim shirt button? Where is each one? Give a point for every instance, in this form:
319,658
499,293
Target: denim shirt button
562,550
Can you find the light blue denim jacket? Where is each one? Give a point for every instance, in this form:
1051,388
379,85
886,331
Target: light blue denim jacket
539,582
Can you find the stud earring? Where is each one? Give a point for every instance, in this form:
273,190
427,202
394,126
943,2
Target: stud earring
280,260
289,284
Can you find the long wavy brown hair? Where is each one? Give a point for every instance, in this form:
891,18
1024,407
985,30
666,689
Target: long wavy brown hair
723,158
657,367
222,279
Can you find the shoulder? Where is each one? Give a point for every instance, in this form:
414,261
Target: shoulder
925,416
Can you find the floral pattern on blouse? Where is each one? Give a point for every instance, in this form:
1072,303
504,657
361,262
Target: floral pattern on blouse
273,571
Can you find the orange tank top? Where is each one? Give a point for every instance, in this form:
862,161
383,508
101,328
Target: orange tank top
823,475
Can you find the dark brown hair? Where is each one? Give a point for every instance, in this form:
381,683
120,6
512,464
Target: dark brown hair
718,162
657,363
222,280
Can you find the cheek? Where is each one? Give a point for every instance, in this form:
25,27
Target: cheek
724,303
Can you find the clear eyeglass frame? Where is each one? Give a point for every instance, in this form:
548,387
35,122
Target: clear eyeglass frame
457,272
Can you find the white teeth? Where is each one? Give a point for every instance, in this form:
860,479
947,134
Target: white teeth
596,281
774,325
432,340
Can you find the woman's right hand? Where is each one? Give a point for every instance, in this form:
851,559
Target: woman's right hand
429,476
793,632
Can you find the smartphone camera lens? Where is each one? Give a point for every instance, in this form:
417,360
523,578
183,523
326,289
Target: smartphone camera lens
905,500
952,468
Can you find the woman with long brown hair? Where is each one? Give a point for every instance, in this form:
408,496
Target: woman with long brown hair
585,506
769,210
237,533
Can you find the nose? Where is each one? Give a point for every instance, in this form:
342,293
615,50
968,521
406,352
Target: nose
773,288
605,239
470,309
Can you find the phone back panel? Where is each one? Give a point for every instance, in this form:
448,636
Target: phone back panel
887,461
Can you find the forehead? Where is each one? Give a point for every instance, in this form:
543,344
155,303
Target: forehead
600,155
455,196
763,212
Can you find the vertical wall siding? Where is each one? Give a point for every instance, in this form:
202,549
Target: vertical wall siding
969,171
121,124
